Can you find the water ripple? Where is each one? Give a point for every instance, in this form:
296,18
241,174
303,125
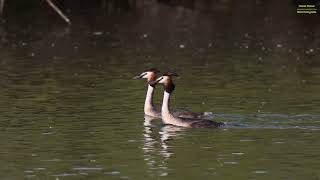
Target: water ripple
87,168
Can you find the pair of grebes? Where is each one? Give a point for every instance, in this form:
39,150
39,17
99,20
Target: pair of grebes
179,118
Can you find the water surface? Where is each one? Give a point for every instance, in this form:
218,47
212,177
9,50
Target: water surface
70,109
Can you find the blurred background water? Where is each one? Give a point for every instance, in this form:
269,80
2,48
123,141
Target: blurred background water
70,109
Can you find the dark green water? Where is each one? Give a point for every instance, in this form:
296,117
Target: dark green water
70,110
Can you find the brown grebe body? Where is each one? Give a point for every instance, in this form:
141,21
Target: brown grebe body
170,118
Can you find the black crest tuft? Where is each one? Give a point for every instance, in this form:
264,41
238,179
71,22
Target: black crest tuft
170,74
152,70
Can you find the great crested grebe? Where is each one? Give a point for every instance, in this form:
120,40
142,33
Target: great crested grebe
168,117
150,75
150,110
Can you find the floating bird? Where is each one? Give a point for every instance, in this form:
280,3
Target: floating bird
170,118
150,110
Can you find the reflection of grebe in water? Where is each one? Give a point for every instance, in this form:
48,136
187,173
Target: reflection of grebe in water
153,148
150,144
167,133
148,141
170,118
150,110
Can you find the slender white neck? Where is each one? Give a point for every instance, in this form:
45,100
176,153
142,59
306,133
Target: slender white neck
165,103
149,98
167,117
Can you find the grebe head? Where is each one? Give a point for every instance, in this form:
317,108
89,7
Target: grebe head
149,74
166,80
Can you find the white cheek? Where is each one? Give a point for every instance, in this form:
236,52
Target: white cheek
162,80
146,75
